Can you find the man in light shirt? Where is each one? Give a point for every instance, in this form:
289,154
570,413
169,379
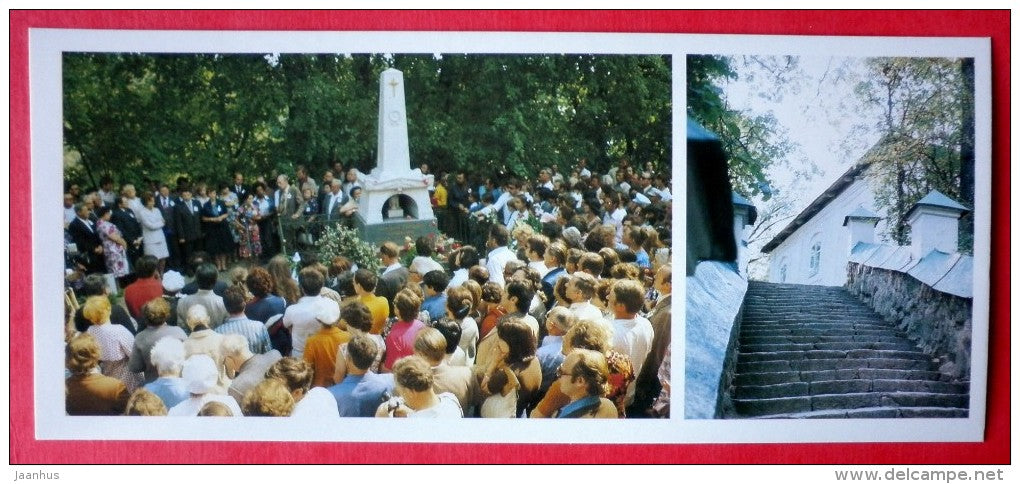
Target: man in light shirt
632,334
580,289
499,253
300,317
513,189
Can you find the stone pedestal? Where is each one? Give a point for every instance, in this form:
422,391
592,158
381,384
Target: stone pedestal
395,200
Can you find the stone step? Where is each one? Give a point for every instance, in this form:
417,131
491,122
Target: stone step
816,319
759,306
753,308
831,354
770,378
818,352
812,331
821,326
759,347
860,340
877,412
833,364
799,404
785,297
827,387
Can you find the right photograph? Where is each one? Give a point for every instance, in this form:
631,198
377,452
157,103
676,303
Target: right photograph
830,235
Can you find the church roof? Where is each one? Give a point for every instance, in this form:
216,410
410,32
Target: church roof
948,273
861,212
837,187
709,203
698,133
938,200
752,211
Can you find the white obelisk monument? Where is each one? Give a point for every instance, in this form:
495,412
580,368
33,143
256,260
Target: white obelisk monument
395,200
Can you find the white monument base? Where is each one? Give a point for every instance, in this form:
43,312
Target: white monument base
395,200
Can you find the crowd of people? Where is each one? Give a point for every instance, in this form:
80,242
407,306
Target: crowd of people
558,306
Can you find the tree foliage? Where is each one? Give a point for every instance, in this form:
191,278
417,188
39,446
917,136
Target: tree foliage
754,141
137,116
921,102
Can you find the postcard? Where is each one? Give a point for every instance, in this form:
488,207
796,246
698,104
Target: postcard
828,197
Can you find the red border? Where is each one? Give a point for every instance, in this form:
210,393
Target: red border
994,24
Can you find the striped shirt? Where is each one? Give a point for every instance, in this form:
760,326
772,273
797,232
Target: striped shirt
254,331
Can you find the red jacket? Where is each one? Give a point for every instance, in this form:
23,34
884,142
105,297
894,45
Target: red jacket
141,292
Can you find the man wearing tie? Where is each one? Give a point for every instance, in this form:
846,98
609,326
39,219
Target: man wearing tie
287,199
126,221
238,187
325,190
187,224
335,200
83,233
165,203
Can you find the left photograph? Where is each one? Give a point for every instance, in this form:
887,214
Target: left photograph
324,236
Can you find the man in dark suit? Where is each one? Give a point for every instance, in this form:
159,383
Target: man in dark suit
187,225
83,233
238,188
125,221
555,259
457,204
325,190
287,200
165,202
333,202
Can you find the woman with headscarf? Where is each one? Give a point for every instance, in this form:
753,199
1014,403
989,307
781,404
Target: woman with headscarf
200,375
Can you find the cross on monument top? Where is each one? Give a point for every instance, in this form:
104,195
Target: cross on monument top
393,157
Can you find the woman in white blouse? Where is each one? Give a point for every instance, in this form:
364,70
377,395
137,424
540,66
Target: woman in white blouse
152,230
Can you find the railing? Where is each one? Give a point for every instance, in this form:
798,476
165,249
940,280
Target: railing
302,233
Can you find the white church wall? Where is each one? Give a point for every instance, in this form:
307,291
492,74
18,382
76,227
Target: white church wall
794,256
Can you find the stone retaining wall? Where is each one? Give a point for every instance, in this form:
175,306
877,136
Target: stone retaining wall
938,322
715,295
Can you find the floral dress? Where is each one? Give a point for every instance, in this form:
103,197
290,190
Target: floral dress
621,374
115,254
249,240
231,221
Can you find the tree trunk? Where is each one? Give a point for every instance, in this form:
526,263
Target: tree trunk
967,153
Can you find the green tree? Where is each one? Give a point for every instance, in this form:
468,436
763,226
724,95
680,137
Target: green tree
753,141
921,102
160,116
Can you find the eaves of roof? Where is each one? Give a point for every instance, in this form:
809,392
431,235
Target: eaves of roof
837,187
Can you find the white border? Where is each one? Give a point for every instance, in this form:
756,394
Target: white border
46,46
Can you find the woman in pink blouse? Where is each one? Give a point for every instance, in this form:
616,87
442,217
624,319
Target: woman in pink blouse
400,339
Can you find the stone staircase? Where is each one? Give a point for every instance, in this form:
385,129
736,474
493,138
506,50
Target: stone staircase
817,352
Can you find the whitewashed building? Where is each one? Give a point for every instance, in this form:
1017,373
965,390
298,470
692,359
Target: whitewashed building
814,248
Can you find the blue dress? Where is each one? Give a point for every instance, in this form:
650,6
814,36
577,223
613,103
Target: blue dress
217,234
